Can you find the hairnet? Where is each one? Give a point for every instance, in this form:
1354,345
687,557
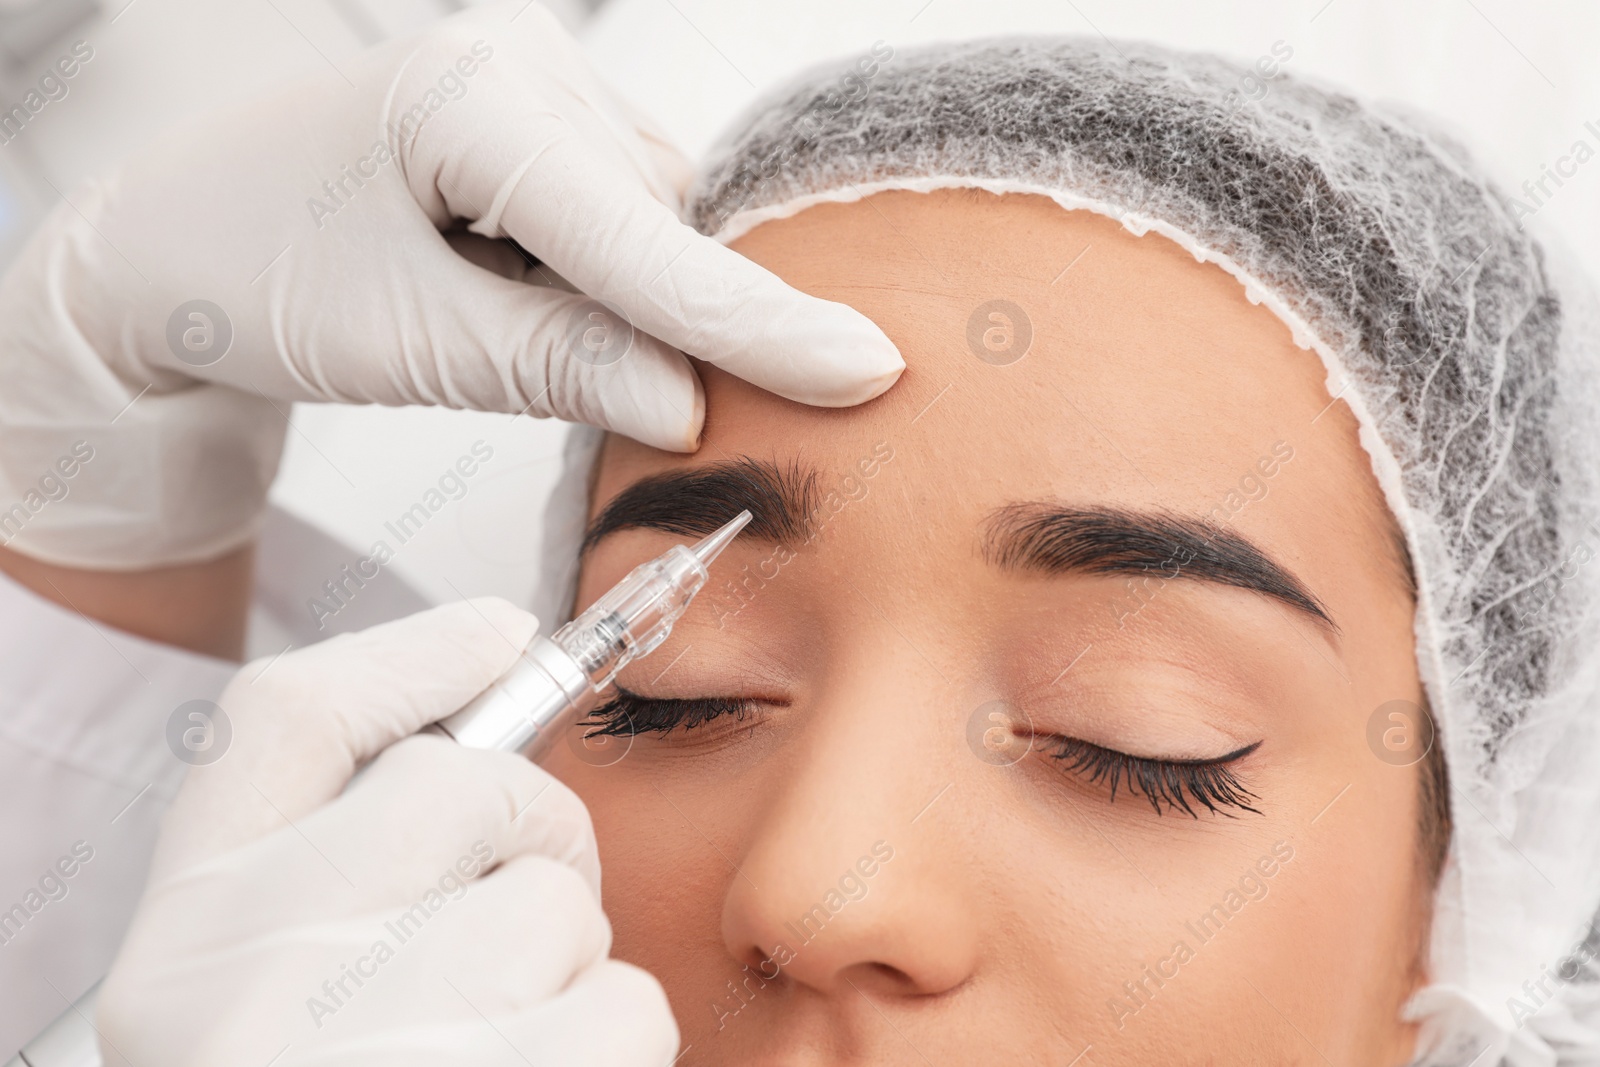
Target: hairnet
1464,351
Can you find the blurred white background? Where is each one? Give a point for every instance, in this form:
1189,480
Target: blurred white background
1517,81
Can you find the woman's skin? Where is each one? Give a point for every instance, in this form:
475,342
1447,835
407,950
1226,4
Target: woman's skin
1012,907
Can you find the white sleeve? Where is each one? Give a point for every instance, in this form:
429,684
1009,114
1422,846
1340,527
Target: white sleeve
85,774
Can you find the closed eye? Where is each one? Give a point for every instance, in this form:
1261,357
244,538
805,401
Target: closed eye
1166,784
1169,785
628,713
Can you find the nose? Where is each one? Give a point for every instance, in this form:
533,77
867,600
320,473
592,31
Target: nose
848,886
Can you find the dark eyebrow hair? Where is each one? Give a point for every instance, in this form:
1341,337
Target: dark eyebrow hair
1059,540
781,501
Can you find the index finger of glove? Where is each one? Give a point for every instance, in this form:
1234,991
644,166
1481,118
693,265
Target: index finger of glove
604,233
545,160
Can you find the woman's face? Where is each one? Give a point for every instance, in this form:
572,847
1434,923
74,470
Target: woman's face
1034,718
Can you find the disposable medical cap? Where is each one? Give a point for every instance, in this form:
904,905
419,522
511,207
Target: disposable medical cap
1466,355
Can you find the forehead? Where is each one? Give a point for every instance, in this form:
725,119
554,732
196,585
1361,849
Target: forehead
1050,355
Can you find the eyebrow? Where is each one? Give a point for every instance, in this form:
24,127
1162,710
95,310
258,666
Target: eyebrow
1065,540
1053,539
782,502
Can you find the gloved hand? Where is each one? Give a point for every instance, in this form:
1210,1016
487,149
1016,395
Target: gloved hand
446,909
294,248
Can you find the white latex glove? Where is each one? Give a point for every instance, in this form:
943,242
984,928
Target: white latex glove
311,222
461,888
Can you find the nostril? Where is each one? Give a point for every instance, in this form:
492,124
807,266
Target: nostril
764,961
881,978
893,974
763,966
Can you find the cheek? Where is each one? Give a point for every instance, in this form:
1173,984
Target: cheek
1354,903
663,884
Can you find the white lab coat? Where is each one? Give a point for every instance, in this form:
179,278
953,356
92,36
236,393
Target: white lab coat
84,777
86,770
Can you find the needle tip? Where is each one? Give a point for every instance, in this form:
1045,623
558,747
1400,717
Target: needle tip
712,545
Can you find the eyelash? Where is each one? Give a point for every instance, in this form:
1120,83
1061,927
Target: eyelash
628,713
1208,783
1174,784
